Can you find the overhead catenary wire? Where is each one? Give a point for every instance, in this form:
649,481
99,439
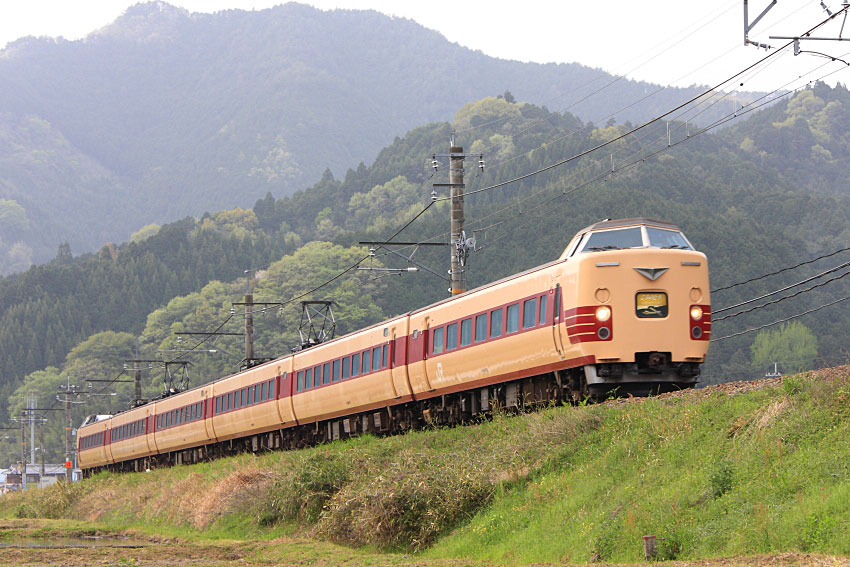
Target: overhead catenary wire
777,272
750,107
775,301
675,39
753,329
783,289
645,124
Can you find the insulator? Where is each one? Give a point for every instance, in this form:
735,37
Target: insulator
371,251
433,194
233,311
481,163
434,163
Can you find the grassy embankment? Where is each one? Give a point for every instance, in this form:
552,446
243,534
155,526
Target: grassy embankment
725,471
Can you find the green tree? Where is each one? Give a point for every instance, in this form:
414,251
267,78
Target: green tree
144,233
792,346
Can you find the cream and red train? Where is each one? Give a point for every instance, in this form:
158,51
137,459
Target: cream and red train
626,308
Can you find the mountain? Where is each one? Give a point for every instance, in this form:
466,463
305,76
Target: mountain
748,214
165,113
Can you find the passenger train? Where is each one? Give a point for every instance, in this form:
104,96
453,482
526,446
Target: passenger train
624,310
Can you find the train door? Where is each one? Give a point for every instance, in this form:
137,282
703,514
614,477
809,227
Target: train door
426,339
558,329
398,361
209,411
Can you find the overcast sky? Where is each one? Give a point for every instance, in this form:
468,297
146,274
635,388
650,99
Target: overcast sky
679,42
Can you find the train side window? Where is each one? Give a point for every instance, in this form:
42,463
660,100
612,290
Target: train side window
308,378
335,375
367,361
496,323
346,367
229,401
376,358
326,373
243,398
451,336
438,340
271,389
300,385
529,313
264,392
466,332
543,312
257,391
251,400
218,405
481,328
513,318
355,365
386,356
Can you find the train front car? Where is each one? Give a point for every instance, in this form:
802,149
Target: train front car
636,299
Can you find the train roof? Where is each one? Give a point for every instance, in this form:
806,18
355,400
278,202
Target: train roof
617,223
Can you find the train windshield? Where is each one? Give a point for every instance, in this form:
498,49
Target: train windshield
661,238
614,240
634,237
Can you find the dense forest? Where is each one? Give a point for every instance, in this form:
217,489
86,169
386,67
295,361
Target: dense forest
749,196
164,113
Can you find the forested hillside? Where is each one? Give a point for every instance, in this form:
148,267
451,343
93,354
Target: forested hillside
164,113
750,217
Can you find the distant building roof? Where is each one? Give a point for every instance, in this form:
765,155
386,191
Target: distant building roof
49,470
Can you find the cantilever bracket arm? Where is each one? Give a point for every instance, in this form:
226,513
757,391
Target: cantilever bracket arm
749,26
410,259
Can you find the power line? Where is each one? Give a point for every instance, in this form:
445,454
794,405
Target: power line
786,288
656,119
775,301
730,286
780,320
685,34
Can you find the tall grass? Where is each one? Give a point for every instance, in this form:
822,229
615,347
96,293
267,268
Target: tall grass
708,473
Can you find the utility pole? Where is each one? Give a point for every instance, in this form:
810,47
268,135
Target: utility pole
457,234
249,321
69,390
460,244
137,378
68,471
41,444
23,451
31,415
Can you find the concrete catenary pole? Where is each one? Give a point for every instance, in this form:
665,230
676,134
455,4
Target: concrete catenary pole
249,329
23,450
68,471
456,186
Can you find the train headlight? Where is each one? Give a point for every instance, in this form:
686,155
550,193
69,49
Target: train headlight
603,313
696,312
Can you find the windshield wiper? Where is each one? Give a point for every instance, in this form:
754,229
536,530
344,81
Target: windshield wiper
677,246
601,248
